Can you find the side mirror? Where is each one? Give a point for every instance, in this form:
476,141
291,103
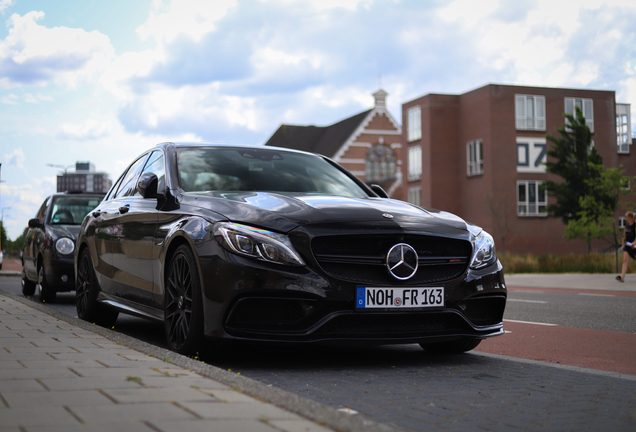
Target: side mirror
147,185
35,223
379,191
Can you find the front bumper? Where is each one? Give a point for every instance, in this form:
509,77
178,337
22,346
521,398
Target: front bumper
276,306
60,274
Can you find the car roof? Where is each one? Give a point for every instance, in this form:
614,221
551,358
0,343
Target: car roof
178,144
78,193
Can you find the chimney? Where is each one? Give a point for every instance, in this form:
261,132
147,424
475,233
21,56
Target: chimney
380,98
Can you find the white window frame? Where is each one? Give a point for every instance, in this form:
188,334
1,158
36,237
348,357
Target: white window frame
528,208
531,155
628,185
623,128
587,108
414,163
474,157
414,124
526,120
415,195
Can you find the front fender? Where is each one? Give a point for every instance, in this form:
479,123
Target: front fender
189,230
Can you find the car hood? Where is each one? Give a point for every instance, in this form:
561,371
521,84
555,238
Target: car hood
285,212
70,231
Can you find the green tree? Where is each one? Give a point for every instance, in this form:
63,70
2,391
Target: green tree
3,237
14,247
596,217
575,160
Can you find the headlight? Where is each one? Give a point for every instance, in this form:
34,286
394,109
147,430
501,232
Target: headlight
257,243
484,250
65,246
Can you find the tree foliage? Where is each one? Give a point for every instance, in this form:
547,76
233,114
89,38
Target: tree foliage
577,162
596,220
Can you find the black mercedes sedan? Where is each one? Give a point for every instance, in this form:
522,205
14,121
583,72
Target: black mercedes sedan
49,243
266,244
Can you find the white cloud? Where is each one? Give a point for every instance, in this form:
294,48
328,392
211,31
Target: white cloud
24,200
10,99
29,98
89,130
16,158
34,54
5,4
191,18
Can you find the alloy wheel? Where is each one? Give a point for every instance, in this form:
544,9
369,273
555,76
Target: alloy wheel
178,313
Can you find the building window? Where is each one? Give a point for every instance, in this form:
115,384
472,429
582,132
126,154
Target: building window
530,112
415,163
622,222
380,165
474,157
627,184
531,199
531,155
414,124
623,127
415,196
585,105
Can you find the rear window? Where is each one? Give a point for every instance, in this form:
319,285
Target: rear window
71,210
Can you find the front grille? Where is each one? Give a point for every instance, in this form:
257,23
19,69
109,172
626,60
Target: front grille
404,324
482,311
362,258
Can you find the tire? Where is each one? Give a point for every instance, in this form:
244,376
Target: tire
86,291
453,347
183,311
28,287
47,293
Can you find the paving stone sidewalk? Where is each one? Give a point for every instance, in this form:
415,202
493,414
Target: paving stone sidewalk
60,375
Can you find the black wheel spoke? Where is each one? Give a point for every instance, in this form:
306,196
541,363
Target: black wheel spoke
183,318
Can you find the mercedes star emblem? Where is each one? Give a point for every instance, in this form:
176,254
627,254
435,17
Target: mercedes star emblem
402,261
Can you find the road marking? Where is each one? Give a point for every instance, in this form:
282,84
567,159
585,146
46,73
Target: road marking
526,301
526,291
597,295
530,322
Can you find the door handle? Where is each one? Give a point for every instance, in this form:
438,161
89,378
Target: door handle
96,213
124,209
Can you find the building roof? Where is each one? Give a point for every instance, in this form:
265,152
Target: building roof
325,140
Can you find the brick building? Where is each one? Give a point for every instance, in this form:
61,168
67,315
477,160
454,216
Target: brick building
368,144
481,155
85,178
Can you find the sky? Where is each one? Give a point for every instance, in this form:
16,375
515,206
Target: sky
102,81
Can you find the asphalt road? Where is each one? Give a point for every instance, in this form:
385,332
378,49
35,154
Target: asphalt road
407,388
598,311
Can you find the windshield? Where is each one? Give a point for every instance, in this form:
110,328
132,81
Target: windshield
71,210
237,169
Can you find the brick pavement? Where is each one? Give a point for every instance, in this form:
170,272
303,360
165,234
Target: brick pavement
58,373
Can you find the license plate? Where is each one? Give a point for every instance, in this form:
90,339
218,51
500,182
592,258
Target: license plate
378,297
